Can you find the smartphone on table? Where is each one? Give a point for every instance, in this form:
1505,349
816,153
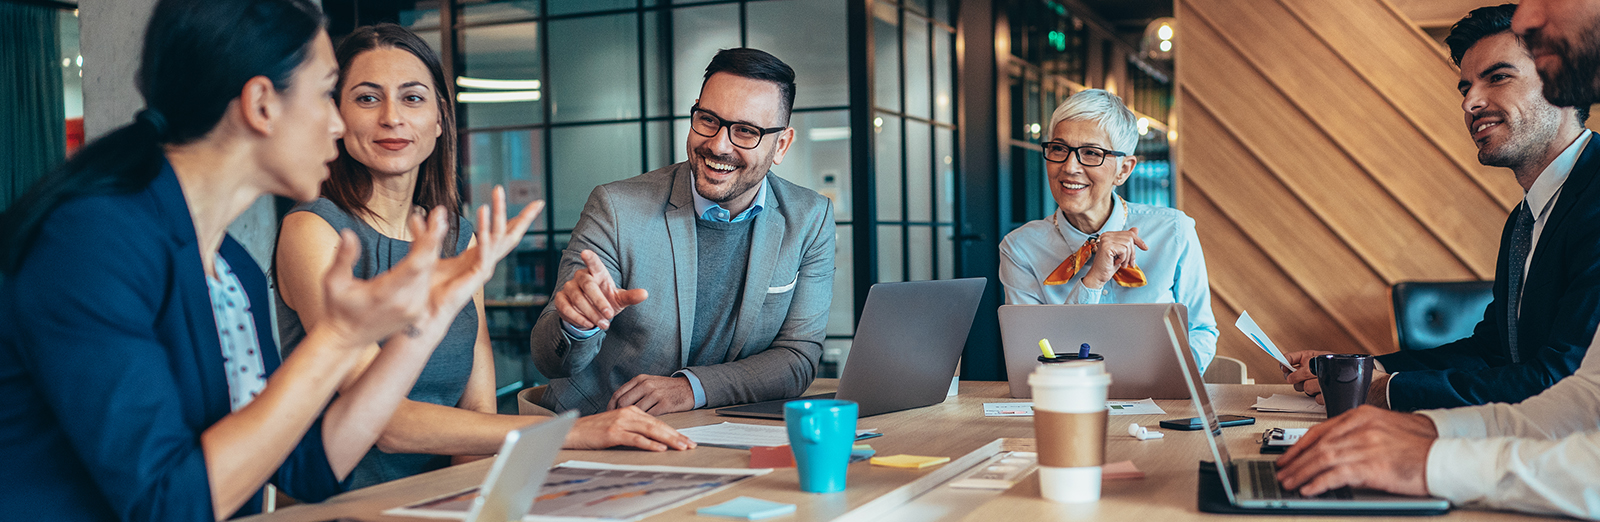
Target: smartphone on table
1194,423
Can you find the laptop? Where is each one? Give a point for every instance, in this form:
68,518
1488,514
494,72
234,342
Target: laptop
1251,485
905,350
520,469
1129,336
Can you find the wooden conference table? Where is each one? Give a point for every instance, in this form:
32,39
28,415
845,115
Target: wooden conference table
953,428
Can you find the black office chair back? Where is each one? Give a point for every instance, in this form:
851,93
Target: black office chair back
1428,314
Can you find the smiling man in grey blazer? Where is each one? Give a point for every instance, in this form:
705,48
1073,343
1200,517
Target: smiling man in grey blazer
704,283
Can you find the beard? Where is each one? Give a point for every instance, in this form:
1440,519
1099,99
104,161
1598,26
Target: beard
1525,139
1575,80
746,177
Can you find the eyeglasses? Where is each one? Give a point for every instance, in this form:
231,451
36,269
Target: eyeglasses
1088,155
742,135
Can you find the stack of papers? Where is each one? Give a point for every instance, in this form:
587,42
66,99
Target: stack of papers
1289,404
745,436
1025,409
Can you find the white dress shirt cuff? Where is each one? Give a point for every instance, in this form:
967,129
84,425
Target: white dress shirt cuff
1458,423
1463,470
577,333
694,384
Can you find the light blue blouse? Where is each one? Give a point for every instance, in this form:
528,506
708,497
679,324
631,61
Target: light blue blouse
1174,266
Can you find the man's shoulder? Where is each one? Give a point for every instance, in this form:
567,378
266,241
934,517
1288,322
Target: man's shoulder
798,199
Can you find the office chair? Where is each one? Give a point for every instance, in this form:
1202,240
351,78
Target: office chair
1428,314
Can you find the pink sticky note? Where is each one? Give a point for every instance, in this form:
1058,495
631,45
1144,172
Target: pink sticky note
1124,470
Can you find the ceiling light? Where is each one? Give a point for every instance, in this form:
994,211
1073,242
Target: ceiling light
497,97
1165,32
497,85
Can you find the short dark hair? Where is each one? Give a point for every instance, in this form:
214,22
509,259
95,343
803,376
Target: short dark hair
756,64
1481,23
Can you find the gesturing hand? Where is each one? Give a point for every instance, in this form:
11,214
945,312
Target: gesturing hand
1114,251
1367,447
364,311
456,279
591,298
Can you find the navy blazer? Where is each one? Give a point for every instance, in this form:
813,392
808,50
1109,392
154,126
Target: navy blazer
1560,308
111,367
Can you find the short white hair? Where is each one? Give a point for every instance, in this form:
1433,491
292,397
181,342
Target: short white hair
1106,110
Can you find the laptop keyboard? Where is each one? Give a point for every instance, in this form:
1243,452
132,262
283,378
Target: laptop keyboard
1266,486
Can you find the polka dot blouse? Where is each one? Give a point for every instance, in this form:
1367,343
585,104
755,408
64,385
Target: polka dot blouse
241,350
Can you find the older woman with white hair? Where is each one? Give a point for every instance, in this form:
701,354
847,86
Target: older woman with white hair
1098,248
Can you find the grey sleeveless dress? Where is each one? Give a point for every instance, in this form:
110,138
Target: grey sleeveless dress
443,380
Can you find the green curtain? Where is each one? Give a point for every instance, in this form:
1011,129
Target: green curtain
32,110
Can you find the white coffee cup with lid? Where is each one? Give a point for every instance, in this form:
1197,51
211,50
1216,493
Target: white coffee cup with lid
1069,419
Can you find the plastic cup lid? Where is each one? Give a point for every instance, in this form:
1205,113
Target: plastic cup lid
1075,373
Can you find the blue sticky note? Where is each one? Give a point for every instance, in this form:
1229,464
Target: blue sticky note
746,508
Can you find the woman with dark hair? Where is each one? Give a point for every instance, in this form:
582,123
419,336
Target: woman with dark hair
397,159
136,356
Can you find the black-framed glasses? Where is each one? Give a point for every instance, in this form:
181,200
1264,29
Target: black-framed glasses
1088,155
740,134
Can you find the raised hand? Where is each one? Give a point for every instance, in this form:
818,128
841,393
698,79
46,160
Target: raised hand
1114,251
591,299
364,311
456,279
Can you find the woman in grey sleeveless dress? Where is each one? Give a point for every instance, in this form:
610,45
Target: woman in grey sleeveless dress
397,160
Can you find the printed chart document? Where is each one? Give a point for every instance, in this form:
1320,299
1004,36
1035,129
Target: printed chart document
1025,409
594,491
738,435
1248,326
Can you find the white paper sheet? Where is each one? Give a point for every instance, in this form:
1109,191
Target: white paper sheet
1025,409
1289,404
740,435
1248,326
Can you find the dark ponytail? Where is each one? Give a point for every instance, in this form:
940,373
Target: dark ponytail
198,54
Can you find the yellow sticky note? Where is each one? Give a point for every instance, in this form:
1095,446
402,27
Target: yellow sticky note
861,447
909,461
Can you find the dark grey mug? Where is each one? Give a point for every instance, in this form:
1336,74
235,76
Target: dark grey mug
1345,379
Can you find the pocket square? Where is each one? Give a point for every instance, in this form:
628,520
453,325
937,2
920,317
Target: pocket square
784,288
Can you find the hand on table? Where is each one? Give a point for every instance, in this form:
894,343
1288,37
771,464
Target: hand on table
1367,447
654,394
590,299
1114,251
628,426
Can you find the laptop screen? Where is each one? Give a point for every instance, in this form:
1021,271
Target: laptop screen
1202,400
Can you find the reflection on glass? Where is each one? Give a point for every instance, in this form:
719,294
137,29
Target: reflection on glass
697,34
918,70
502,52
886,56
841,315
886,146
561,7
597,75
819,159
657,85
680,140
944,246
524,275
427,17
482,11
659,144
514,159
809,36
588,156
944,102
944,164
890,254
920,253
919,171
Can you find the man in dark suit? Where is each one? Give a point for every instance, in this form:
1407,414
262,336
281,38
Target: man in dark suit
1547,281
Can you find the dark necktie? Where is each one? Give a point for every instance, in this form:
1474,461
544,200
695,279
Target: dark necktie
1521,243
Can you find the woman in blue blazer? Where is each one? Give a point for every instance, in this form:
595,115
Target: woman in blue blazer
136,355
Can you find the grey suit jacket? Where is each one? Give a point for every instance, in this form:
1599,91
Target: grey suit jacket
643,229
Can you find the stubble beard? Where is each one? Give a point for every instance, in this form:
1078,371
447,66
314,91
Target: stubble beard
1576,80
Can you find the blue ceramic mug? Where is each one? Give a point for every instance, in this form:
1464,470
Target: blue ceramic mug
821,433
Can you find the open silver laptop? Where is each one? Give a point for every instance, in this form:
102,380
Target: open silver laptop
1129,336
520,469
1252,484
905,350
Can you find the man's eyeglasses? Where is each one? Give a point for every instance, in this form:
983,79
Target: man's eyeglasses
1088,155
742,135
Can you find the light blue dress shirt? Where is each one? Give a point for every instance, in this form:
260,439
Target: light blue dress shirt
710,211
1174,266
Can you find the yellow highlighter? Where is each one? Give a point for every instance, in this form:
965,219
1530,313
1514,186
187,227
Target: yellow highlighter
1044,346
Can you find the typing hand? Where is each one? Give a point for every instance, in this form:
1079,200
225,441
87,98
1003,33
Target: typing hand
628,426
1114,251
591,299
1367,447
654,394
1301,377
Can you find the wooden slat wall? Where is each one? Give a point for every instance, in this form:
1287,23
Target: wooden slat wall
1324,157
